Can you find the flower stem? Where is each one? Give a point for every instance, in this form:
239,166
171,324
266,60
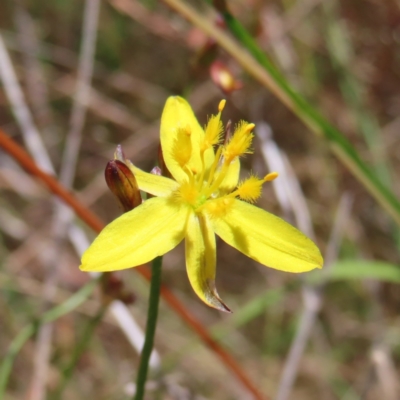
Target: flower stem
152,314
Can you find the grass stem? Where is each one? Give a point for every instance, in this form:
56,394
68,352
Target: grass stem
152,313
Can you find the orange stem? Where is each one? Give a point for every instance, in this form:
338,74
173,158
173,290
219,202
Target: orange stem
20,155
23,158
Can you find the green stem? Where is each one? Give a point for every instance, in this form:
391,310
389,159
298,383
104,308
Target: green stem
152,313
340,145
257,64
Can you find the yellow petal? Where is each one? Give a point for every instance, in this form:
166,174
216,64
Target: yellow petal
267,238
178,115
201,260
137,237
154,184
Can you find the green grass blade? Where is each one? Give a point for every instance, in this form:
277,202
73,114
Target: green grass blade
357,269
273,79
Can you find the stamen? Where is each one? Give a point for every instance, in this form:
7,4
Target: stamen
250,189
271,176
203,171
240,142
214,166
250,127
212,136
221,175
214,129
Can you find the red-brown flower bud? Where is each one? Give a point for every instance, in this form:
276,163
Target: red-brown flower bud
122,184
223,77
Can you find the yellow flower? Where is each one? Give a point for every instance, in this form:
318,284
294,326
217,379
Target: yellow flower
203,199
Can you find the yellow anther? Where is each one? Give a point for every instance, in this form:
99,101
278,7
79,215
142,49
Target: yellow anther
213,129
250,127
271,176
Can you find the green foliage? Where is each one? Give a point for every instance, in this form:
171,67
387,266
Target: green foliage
357,269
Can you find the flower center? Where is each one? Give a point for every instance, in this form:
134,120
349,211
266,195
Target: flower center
204,186
195,196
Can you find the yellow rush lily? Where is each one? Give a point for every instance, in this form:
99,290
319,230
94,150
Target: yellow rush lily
202,199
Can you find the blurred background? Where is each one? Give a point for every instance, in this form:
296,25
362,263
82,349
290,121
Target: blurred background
80,77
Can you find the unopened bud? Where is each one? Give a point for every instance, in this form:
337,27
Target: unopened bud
223,77
156,171
219,20
122,184
119,154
